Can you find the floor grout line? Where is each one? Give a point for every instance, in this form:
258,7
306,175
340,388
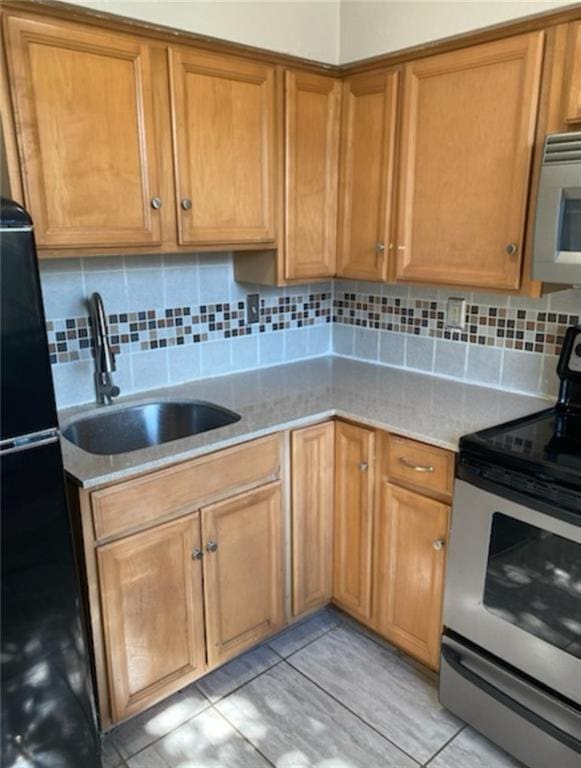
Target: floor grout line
254,747
355,714
443,747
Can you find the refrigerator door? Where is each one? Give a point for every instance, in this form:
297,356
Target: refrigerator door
47,715
27,404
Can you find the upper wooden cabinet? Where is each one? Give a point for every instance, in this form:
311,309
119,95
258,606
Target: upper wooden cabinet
572,105
312,105
83,110
367,174
353,526
467,133
223,112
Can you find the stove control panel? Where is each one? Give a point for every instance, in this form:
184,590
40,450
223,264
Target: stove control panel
569,366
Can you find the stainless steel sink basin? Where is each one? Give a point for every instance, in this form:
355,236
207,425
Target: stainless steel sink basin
141,426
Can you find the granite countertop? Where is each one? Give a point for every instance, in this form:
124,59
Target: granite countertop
431,409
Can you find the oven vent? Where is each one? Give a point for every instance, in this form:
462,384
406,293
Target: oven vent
562,148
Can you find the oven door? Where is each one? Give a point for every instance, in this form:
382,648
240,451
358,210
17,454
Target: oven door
513,586
557,241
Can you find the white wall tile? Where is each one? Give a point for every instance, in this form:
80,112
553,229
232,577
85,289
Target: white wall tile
521,371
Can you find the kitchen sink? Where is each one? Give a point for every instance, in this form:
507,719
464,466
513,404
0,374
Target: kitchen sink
141,426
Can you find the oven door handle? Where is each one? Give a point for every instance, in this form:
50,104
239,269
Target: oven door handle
454,659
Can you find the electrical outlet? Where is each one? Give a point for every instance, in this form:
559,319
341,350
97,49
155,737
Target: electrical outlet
252,308
456,313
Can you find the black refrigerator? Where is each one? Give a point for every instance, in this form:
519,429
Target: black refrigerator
48,716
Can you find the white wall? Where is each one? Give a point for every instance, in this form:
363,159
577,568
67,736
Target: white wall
372,27
308,28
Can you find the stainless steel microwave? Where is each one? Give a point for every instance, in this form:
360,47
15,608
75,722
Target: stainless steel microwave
557,243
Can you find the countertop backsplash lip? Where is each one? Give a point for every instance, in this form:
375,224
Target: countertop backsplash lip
412,404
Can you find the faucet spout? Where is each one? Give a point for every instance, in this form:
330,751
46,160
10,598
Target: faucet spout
104,357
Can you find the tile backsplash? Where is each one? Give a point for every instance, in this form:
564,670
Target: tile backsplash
509,342
174,318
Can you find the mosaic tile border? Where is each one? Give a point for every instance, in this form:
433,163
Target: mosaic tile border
528,330
70,339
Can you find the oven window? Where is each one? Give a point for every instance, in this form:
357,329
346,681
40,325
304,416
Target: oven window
533,580
570,231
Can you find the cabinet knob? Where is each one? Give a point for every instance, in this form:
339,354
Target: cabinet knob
197,554
511,249
211,546
379,247
186,204
156,203
438,544
363,466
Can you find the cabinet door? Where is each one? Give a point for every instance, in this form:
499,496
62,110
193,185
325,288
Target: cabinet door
573,78
153,618
223,112
353,534
243,580
367,174
409,572
312,169
84,115
467,137
312,516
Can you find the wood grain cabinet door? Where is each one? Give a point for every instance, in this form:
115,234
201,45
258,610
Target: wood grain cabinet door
409,573
152,602
353,532
85,127
312,516
572,100
468,126
312,169
243,571
223,111
367,174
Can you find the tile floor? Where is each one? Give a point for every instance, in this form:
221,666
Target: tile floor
325,693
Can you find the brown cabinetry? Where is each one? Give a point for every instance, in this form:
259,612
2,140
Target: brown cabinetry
153,619
572,96
223,112
243,579
353,535
312,104
312,516
89,150
410,538
467,135
367,174
184,570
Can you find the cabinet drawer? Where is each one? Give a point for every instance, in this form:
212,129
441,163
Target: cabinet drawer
428,469
180,489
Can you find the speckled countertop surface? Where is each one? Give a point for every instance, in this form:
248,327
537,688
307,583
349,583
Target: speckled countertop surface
434,410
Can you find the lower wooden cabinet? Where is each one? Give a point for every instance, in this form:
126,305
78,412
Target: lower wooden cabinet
153,618
409,571
217,572
312,516
243,571
353,536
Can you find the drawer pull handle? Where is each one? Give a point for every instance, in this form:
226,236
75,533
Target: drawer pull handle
211,546
438,544
363,466
416,467
197,554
